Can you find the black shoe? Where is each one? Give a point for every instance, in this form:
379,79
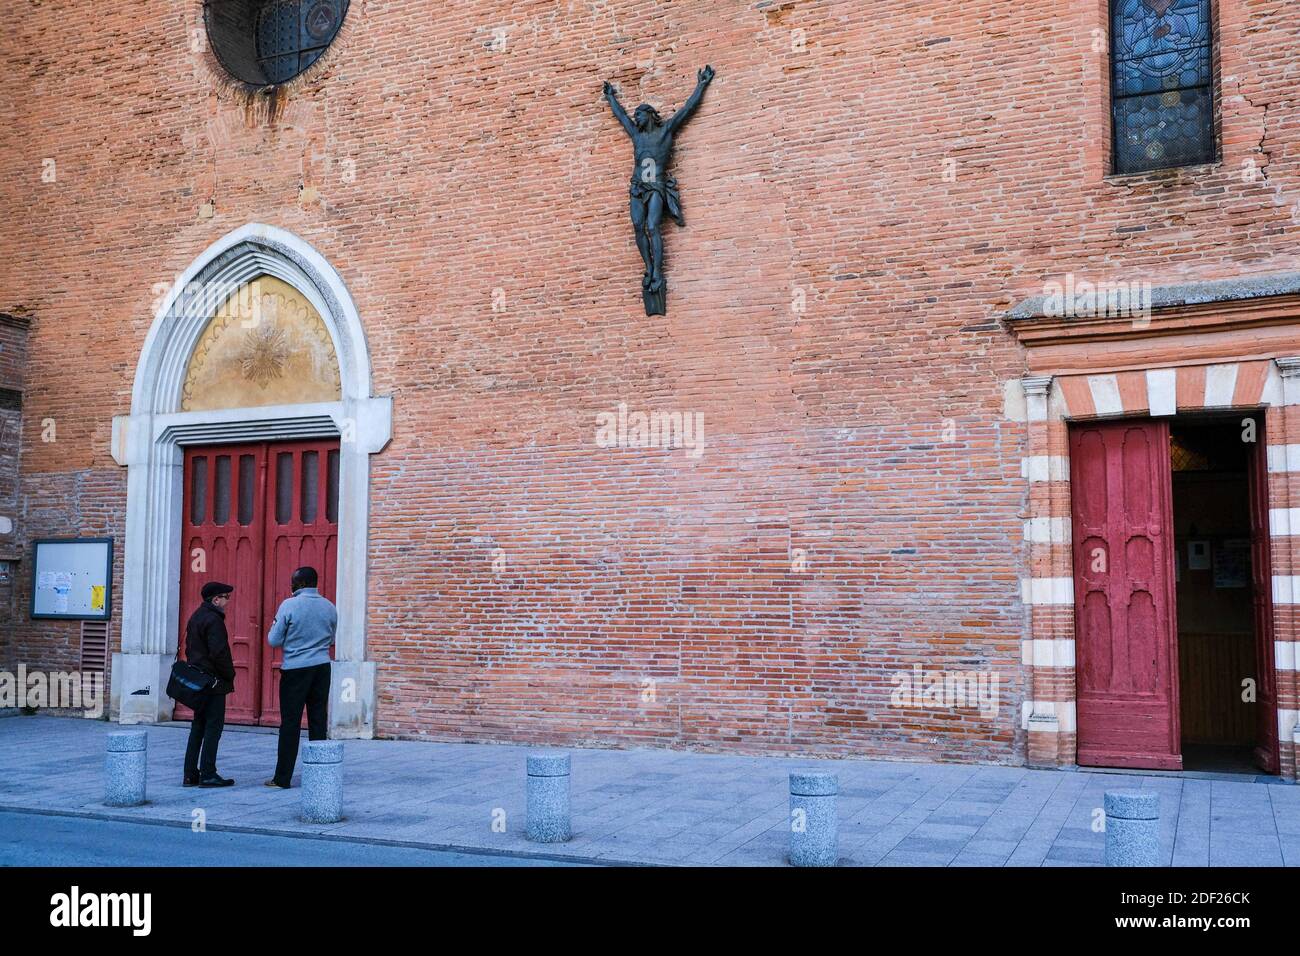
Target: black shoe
191,780
216,780
272,783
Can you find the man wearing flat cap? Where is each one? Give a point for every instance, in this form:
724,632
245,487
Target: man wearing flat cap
207,646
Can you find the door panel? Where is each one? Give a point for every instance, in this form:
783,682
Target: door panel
1261,575
1126,638
301,529
222,541
253,513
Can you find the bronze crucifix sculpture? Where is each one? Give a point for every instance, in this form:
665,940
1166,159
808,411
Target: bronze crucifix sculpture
653,192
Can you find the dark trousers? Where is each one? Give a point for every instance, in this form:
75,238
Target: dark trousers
205,735
302,685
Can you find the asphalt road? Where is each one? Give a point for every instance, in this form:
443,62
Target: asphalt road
33,839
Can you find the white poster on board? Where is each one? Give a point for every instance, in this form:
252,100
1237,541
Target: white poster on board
72,578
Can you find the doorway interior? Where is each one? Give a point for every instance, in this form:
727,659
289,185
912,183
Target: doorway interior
1224,666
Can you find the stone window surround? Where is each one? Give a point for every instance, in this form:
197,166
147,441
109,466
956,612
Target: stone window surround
150,443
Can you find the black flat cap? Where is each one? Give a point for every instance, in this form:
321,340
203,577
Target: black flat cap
215,589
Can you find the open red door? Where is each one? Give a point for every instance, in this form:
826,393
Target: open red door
1126,637
1261,583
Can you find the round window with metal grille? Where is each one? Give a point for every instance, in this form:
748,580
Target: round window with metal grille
265,42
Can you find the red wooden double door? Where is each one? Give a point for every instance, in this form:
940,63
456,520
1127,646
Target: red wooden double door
253,514
1126,634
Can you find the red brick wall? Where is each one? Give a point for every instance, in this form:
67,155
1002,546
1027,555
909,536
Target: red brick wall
867,430
13,351
13,361
91,504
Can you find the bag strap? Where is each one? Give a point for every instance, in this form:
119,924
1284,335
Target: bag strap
179,643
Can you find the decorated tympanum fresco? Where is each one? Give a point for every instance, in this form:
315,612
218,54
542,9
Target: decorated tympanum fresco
265,345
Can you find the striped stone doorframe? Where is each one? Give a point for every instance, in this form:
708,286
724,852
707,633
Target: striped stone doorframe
1051,403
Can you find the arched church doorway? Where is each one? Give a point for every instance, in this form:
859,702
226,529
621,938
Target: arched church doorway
248,450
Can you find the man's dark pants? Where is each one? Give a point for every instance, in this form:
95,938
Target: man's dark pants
299,686
205,734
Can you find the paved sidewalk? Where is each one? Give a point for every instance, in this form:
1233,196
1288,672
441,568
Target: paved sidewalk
662,806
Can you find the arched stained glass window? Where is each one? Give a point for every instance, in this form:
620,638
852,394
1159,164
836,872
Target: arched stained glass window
1162,83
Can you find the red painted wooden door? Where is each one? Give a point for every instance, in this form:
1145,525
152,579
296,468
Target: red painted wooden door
301,529
1125,628
222,541
1261,582
252,514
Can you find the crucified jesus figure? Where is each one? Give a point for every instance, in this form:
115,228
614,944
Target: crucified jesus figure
653,192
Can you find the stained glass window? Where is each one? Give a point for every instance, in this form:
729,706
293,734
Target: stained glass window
264,42
1162,84
292,34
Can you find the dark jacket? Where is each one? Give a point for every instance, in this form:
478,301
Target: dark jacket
207,645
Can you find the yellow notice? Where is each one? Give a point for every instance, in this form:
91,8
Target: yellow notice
97,597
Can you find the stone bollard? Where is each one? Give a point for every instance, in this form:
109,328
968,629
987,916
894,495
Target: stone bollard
322,781
1132,827
548,797
814,823
128,762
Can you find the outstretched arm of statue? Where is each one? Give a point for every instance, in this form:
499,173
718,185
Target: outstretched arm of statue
619,113
678,119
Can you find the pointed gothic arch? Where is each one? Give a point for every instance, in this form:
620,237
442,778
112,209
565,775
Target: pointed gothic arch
150,442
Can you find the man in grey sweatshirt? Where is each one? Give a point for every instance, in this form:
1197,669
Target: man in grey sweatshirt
304,626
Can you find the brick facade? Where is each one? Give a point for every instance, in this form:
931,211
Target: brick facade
13,361
867,190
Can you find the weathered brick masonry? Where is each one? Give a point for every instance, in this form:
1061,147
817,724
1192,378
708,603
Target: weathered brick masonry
868,187
13,360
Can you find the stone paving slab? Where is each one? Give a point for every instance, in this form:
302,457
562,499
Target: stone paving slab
663,807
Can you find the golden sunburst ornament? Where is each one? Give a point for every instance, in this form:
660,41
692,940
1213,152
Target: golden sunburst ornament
266,349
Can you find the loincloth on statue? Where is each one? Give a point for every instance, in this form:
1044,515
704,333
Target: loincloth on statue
642,190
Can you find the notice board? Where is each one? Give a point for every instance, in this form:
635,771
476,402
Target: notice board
72,579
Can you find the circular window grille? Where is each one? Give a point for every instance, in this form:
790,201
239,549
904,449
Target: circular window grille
264,42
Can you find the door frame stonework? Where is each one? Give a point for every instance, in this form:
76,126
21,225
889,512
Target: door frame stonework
150,443
1208,345
1052,402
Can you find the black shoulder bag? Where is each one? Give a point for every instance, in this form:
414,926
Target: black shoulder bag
189,685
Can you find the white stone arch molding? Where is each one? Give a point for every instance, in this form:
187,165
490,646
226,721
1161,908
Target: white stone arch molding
150,443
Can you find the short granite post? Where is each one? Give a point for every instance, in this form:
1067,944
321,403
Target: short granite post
1132,827
128,761
322,781
814,821
548,797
